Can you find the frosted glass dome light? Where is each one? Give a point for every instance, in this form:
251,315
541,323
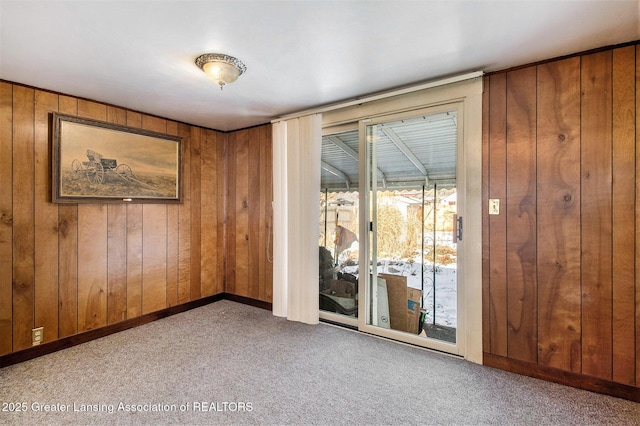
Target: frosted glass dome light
223,69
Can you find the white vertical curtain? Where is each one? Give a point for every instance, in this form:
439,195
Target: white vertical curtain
296,209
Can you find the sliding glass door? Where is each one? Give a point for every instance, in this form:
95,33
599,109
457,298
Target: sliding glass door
413,236
389,227
339,222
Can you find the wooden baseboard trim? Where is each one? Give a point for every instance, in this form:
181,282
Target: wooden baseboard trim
562,377
248,301
87,336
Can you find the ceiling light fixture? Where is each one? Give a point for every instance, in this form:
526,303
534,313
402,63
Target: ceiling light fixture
223,69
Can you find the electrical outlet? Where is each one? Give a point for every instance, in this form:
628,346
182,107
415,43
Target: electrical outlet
37,335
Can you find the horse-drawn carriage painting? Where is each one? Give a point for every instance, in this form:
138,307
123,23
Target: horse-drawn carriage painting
96,161
97,168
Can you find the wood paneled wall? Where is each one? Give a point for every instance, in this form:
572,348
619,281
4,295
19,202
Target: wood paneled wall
561,291
72,268
249,208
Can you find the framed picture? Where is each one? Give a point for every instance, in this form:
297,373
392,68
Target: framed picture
95,161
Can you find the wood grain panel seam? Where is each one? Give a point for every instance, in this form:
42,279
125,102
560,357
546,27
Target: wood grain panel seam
166,254
489,315
581,216
535,190
636,289
611,275
636,317
58,248
505,209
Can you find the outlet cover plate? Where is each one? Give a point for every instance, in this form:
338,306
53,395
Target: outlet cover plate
37,335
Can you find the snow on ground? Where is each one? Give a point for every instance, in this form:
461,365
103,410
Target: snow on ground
445,288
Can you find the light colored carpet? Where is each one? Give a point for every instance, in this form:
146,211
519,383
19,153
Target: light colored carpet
258,369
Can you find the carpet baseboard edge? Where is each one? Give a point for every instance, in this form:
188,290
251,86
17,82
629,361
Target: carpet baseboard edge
87,336
567,378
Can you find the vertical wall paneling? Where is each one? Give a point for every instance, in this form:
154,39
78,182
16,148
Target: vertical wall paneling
134,244
486,265
68,251
23,217
242,212
209,213
596,208
77,267
637,220
184,219
230,215
221,206
6,218
154,257
521,214
134,260
154,241
117,115
68,270
624,177
46,223
574,133
269,212
92,248
154,124
248,257
116,263
266,236
92,267
196,213
173,220
253,197
116,245
559,327
497,223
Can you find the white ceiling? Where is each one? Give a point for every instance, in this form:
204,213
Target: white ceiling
299,54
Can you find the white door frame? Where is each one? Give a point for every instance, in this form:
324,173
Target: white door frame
367,186
468,90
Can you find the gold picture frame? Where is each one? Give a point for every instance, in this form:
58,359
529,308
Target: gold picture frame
95,161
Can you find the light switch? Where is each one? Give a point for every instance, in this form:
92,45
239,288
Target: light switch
494,206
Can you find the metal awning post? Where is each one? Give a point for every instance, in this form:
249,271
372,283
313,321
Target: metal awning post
435,215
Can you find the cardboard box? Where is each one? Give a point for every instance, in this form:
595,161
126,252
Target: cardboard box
404,303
